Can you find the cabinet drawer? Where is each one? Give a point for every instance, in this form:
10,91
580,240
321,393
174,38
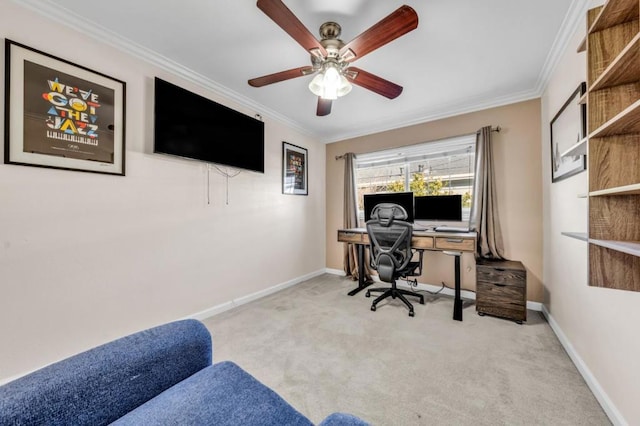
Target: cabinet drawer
455,243
503,277
349,237
422,242
499,295
505,272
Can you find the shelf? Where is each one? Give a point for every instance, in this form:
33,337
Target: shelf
582,236
615,12
583,45
583,99
613,72
620,190
624,68
583,195
579,148
628,247
628,121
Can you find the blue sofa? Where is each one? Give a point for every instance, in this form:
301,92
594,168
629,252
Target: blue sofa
163,375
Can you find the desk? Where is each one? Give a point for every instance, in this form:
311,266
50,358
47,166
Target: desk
421,240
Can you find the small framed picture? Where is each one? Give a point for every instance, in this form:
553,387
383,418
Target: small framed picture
294,169
62,115
568,133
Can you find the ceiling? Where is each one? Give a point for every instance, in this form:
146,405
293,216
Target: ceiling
465,55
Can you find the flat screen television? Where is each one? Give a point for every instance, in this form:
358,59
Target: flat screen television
405,199
191,126
439,207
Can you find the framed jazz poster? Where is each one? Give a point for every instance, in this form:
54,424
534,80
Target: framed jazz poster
62,115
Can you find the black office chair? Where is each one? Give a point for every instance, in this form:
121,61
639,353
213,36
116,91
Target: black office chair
390,252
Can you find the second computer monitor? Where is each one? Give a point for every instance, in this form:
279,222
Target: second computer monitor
441,208
405,199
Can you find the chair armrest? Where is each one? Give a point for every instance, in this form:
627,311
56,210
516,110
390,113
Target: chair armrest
418,270
420,254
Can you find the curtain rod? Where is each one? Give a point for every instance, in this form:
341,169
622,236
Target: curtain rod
496,129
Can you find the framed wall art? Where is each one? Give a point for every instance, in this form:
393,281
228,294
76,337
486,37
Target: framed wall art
568,137
62,115
294,169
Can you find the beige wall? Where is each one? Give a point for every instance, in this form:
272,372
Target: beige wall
598,325
85,258
518,185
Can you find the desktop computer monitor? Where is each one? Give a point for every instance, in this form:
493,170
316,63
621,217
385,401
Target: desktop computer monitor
439,208
405,199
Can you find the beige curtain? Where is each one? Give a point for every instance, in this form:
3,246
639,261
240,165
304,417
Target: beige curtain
350,216
484,212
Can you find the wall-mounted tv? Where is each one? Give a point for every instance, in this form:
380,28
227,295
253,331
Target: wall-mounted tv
439,207
192,126
405,199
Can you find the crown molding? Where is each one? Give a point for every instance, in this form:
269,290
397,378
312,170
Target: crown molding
61,16
574,17
459,108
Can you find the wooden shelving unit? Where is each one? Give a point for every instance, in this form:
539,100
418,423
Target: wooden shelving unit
627,121
614,13
620,190
623,69
613,147
621,246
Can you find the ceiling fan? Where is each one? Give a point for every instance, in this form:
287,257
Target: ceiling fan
331,58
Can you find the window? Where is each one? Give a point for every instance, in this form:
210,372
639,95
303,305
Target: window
433,168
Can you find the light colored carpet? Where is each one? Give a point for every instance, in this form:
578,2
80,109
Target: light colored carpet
324,351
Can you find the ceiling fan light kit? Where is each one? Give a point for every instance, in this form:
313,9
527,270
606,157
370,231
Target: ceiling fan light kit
330,83
331,58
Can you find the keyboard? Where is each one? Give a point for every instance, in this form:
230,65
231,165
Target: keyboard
444,228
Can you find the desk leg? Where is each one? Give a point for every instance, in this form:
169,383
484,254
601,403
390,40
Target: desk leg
361,283
457,303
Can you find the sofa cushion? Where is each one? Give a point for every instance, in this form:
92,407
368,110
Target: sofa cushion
102,384
223,394
343,419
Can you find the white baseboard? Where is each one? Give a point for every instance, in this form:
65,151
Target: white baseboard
605,402
223,307
335,272
218,309
470,295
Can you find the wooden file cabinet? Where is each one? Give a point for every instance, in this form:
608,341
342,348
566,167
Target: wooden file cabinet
501,289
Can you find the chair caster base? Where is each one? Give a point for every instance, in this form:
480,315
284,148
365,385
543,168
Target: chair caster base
373,308
411,313
367,294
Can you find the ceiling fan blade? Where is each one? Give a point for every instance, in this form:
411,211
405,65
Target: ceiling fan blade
324,107
373,82
279,76
281,15
397,24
